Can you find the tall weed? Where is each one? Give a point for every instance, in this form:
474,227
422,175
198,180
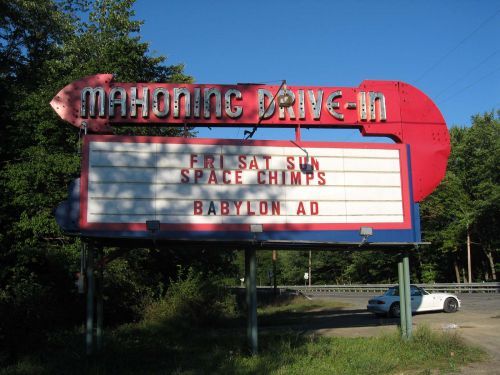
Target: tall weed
192,301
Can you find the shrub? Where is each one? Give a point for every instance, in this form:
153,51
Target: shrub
192,301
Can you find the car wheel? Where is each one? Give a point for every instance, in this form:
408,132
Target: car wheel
394,311
450,305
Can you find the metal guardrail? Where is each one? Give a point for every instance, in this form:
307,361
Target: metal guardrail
380,288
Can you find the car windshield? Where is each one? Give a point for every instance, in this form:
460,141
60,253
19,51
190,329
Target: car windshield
424,292
393,291
414,291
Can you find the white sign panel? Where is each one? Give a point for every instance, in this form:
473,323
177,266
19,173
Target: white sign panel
222,183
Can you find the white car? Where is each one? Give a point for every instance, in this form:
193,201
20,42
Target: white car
421,300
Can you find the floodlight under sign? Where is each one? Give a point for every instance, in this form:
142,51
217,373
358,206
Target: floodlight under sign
365,232
256,228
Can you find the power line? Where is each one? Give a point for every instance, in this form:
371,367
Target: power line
469,86
456,47
465,75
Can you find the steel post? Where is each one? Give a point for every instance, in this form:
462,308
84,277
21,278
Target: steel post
275,285
99,302
251,297
402,304
247,292
89,328
406,273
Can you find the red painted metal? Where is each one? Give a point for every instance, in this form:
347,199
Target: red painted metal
412,118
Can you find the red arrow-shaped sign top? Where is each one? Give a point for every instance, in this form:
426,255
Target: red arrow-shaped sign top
378,108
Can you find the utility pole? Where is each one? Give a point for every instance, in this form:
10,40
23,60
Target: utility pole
469,267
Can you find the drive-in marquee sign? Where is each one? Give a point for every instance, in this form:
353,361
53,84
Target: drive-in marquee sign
217,189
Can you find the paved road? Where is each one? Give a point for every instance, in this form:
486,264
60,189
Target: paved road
478,321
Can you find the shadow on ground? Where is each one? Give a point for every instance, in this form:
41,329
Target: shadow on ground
325,319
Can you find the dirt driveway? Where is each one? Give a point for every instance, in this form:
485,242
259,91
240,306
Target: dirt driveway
478,321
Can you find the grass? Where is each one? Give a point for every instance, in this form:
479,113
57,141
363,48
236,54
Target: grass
156,348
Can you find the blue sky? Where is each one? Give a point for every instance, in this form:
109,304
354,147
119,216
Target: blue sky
448,49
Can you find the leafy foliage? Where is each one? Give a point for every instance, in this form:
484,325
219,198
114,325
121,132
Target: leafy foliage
44,45
467,201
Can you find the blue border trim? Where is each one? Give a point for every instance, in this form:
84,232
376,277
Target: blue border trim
348,236
415,207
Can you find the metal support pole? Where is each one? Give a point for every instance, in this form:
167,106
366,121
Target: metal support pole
89,328
251,286
297,134
402,304
406,273
99,302
275,285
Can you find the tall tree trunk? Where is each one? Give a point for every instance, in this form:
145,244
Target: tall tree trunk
491,261
457,270
419,269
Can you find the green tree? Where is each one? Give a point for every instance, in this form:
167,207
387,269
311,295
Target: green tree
293,265
479,156
45,45
464,210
